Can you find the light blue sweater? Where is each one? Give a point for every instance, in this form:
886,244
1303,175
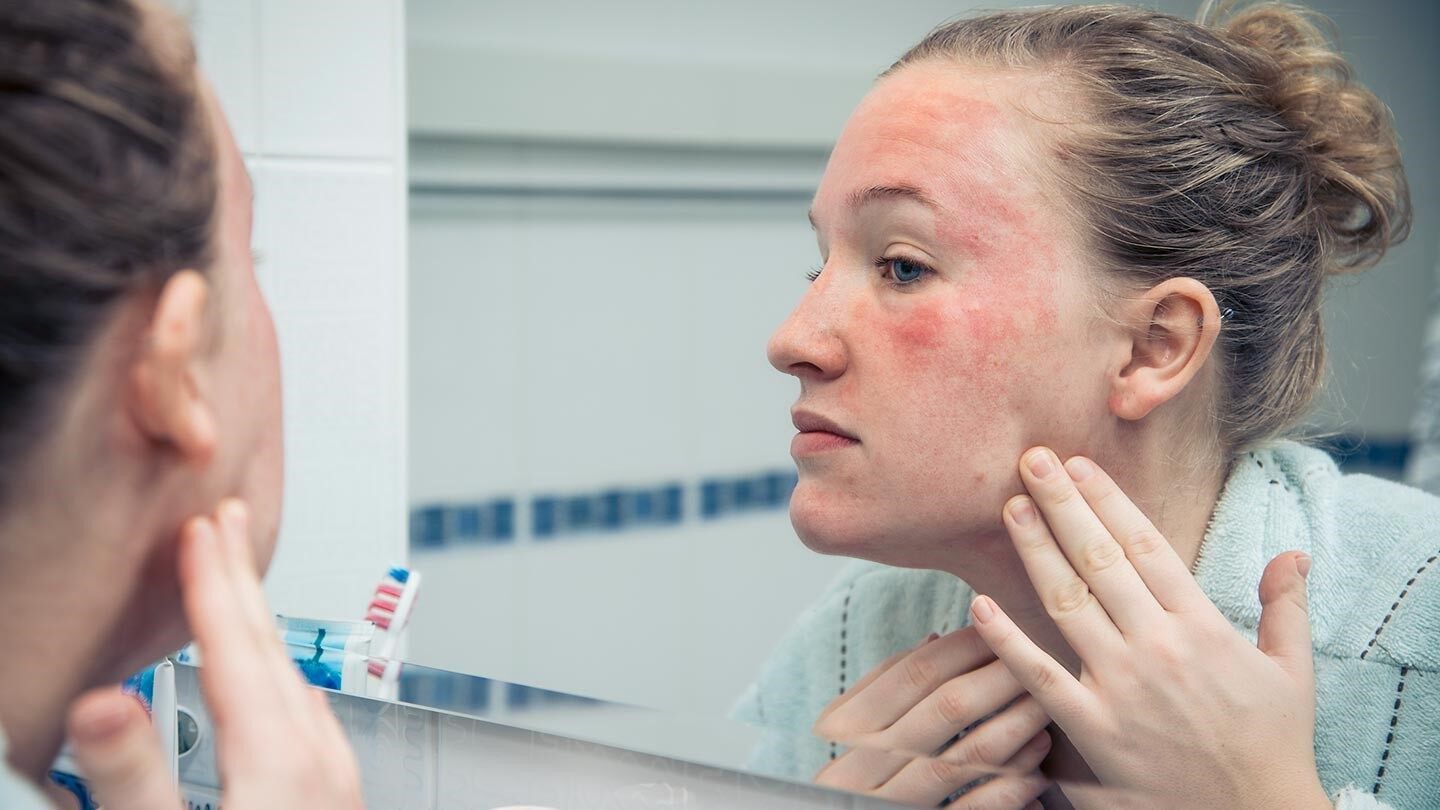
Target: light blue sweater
1374,612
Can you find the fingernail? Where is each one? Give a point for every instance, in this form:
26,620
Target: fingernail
1022,512
233,512
1040,464
202,530
983,609
1302,562
101,721
1043,741
1080,468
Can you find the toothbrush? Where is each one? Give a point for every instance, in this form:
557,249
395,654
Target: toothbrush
390,609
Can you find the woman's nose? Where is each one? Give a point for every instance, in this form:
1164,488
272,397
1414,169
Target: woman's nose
807,345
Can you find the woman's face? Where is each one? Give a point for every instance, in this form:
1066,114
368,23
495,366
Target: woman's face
246,365
950,326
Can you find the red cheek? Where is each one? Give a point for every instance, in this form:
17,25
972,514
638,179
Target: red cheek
922,328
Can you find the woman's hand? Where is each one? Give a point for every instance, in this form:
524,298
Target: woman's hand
278,743
901,718
1171,700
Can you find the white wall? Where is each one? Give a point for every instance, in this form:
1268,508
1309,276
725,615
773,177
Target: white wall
315,92
608,222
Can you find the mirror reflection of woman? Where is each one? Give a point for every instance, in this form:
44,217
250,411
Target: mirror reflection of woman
1068,308
140,421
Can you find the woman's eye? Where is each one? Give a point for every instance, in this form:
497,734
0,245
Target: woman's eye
904,271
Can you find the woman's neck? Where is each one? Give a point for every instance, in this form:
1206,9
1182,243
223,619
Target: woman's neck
1176,499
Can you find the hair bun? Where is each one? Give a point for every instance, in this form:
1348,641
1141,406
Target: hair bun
1348,138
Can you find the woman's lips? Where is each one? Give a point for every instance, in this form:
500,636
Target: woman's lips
818,434
812,442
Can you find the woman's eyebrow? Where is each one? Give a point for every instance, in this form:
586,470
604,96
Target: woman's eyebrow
873,194
877,193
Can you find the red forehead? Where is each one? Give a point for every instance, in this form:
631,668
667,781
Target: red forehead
963,141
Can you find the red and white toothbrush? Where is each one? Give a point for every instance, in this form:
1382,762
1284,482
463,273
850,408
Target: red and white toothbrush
390,609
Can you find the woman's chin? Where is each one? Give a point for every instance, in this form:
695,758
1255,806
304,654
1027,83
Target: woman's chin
828,526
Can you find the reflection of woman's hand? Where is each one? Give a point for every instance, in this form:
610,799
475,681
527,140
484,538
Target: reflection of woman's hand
1171,699
913,704
278,743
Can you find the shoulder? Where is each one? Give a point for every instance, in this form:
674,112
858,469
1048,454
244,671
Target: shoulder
866,614
882,609
1376,545
1393,535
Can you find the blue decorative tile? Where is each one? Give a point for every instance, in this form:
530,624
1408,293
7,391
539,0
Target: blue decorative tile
467,522
1367,454
743,493
504,514
579,512
710,499
517,696
542,517
642,505
431,528
673,503
612,515
618,509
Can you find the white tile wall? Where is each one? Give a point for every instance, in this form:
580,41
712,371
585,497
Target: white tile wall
331,77
606,342
314,92
225,37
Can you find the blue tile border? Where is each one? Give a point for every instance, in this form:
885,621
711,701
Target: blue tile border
448,691
615,510
720,497
1363,454
482,523
610,510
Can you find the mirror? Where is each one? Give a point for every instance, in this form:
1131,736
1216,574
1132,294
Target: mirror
608,221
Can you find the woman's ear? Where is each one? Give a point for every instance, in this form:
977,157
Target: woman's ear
166,401
1173,327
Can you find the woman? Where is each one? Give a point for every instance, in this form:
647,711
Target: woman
1100,234
140,389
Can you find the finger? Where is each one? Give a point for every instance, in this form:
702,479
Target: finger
326,721
1092,551
862,769
880,669
233,520
1150,555
906,683
1284,632
997,740
1020,785
928,781
216,620
1057,691
1065,595
285,685
1030,755
955,706
118,750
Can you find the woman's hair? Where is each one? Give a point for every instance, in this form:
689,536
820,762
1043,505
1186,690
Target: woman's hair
107,187
1237,151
